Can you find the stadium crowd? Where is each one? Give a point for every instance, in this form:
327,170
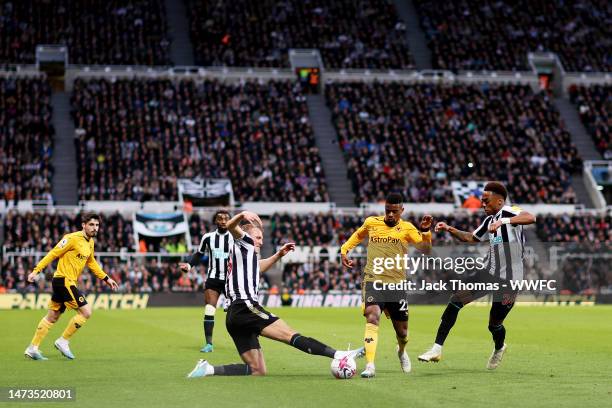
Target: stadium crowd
26,140
583,229
348,33
416,138
41,231
136,137
498,34
594,104
107,32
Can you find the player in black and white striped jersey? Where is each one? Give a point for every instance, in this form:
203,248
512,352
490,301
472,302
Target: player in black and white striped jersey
216,246
246,318
503,228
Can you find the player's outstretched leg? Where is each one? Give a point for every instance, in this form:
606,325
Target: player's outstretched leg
280,331
42,329
254,365
449,317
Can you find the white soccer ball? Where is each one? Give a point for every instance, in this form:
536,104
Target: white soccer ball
343,368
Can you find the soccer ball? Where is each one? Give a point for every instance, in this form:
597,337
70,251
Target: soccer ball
343,368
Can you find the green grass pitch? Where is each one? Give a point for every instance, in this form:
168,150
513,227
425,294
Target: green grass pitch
557,356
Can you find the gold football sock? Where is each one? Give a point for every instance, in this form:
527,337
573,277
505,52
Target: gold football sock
41,331
75,323
371,341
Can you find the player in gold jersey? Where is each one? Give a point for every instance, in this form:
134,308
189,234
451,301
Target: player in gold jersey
75,251
389,237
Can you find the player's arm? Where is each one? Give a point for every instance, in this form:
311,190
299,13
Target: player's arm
59,250
421,239
197,256
519,217
463,236
265,264
95,268
233,225
352,242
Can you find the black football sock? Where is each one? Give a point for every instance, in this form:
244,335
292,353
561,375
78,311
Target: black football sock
449,317
311,346
232,369
209,324
499,335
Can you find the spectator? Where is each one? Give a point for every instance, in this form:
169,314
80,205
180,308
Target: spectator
348,33
138,136
594,104
498,34
116,32
26,139
417,138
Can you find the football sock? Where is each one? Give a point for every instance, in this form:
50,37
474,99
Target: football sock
209,322
73,325
449,317
370,339
41,331
311,346
231,369
499,335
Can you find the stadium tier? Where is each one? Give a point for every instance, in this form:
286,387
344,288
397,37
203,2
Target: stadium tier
136,137
416,138
594,103
26,139
349,34
114,32
497,35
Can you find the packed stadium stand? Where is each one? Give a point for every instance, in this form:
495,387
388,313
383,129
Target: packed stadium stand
594,103
157,131
26,139
140,128
416,138
578,228
498,34
113,32
349,34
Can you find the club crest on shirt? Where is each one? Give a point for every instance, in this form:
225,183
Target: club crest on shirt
496,240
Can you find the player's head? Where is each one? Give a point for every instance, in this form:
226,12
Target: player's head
255,231
494,197
393,209
220,219
90,221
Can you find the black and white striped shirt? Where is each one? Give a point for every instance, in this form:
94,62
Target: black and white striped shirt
507,244
218,247
242,282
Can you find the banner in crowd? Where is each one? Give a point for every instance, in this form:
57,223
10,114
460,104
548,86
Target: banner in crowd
206,192
109,301
160,225
464,189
